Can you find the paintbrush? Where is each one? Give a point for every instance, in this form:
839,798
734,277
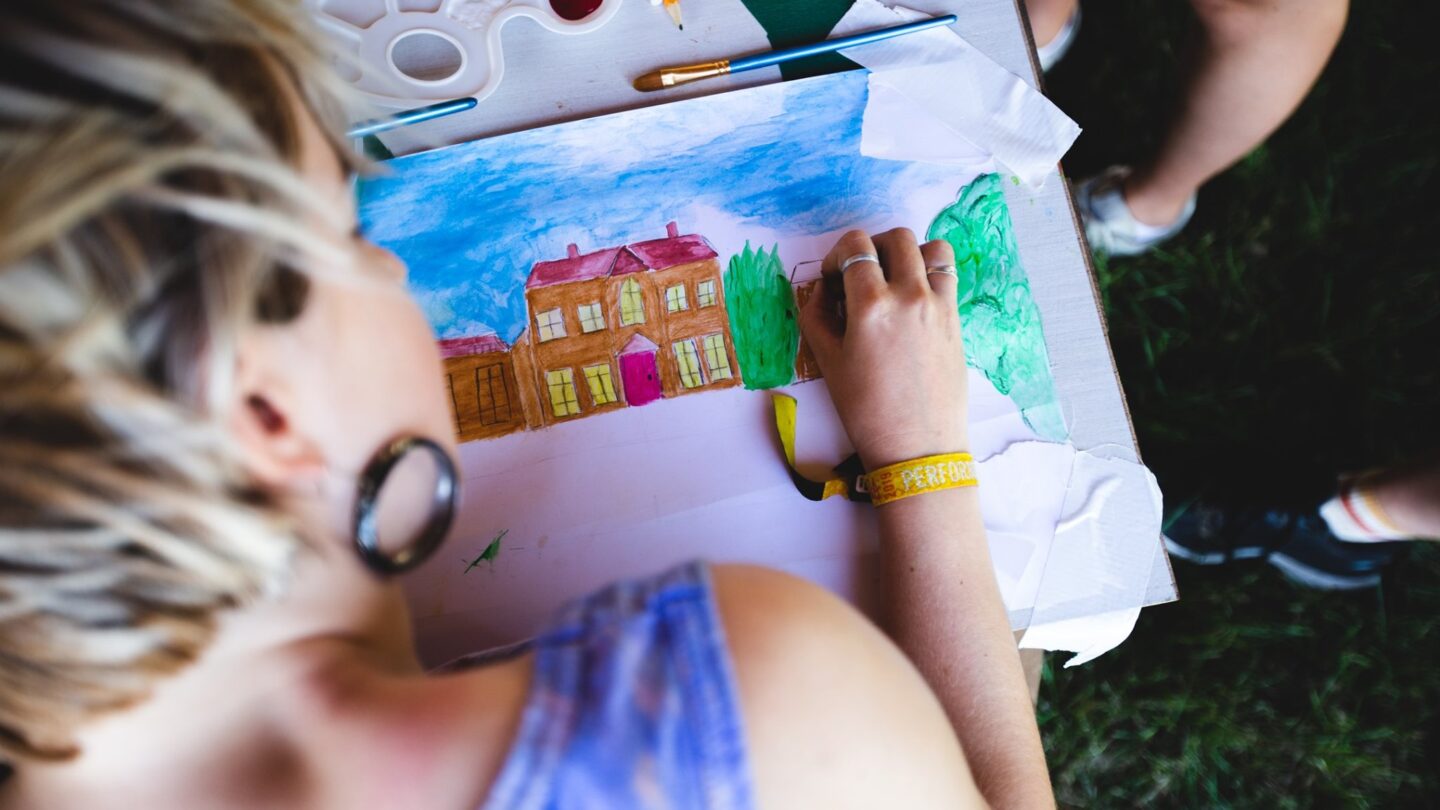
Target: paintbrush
408,117
683,74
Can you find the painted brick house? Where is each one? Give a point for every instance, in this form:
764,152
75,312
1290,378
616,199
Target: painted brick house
618,327
627,325
484,392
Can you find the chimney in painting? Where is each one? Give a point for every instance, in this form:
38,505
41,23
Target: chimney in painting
671,229
572,250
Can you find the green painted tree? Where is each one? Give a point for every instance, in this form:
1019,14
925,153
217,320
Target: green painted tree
762,317
1003,334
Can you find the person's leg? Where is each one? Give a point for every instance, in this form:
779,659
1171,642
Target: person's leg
1256,60
1047,17
1411,497
1400,502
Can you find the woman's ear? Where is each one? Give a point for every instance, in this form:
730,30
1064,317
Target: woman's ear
264,426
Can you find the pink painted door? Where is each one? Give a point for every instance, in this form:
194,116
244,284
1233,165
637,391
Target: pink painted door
640,377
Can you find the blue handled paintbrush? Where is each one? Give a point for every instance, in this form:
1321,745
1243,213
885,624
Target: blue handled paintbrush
682,74
408,117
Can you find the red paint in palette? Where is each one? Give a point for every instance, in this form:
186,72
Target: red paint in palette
575,9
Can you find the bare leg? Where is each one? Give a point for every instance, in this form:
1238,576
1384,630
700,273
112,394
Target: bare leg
1410,496
1256,60
1047,17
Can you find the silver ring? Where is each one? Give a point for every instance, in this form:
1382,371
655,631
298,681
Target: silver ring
946,269
858,257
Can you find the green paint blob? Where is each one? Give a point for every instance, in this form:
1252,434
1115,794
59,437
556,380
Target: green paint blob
490,553
1003,335
762,318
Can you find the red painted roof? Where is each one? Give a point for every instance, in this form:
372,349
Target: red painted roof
577,268
658,254
654,254
475,344
627,262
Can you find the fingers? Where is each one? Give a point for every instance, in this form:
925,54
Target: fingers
902,266
863,280
901,259
938,255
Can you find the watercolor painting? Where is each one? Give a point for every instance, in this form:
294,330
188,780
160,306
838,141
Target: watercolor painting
619,262
618,327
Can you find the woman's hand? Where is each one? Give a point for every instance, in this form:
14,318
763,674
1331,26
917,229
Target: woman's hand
887,337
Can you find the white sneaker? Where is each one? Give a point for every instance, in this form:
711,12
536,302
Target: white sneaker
1109,224
1055,50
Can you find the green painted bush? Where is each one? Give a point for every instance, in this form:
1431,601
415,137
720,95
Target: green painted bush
762,317
1003,334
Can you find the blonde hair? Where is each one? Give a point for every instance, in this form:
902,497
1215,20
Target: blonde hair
147,201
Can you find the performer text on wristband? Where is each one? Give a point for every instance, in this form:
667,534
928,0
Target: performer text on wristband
918,477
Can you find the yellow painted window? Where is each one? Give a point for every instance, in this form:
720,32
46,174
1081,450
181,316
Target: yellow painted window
705,293
551,324
689,361
562,392
632,303
591,318
602,386
675,299
716,360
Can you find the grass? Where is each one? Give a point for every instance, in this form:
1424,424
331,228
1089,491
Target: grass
1292,332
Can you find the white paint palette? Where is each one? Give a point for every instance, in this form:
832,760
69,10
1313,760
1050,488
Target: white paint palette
399,52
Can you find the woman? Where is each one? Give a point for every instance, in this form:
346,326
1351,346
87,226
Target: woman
199,365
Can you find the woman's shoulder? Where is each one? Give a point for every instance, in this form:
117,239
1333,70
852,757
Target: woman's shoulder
835,715
720,686
731,687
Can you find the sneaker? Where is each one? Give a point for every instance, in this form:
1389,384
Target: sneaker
1298,544
1206,535
1110,226
1315,558
1053,51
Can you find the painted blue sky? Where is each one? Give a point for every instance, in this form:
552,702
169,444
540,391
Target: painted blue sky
470,220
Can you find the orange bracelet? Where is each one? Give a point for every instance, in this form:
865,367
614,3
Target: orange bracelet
918,477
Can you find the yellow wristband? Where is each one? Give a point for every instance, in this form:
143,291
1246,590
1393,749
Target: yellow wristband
919,476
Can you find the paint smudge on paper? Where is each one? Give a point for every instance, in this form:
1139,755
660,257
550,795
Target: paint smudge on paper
762,317
1003,334
489,554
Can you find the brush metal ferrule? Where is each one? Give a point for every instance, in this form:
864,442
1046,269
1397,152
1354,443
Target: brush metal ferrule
684,74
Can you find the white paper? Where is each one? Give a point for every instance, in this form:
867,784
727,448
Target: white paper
746,510
936,98
1093,570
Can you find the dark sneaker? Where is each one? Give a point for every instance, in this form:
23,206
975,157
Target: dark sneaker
1318,559
1299,544
1206,535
